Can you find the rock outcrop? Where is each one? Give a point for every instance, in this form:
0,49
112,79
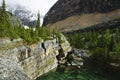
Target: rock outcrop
34,60
75,57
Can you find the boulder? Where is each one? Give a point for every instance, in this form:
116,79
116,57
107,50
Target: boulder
81,53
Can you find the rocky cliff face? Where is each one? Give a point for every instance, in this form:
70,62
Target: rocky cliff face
81,12
34,60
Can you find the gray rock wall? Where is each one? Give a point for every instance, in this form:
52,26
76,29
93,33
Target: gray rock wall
35,59
10,70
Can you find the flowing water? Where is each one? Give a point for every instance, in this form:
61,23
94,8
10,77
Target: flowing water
69,73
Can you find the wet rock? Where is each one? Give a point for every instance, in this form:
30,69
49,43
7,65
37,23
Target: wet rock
81,53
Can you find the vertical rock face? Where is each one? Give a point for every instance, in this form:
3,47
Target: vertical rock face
35,59
66,8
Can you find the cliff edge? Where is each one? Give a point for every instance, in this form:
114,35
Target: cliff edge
30,60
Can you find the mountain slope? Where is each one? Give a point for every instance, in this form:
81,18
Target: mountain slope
67,14
83,21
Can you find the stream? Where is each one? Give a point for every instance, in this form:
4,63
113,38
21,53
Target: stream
69,73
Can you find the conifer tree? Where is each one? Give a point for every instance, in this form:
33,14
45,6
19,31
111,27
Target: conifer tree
38,29
38,21
6,28
2,19
3,6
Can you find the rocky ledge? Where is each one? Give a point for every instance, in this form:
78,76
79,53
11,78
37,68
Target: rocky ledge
19,60
75,57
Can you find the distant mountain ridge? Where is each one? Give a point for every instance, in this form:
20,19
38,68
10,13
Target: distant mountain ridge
27,15
64,9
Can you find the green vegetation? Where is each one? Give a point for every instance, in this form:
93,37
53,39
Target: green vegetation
104,47
30,36
6,29
106,42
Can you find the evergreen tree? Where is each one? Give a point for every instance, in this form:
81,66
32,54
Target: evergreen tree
6,29
37,31
38,21
2,19
3,6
